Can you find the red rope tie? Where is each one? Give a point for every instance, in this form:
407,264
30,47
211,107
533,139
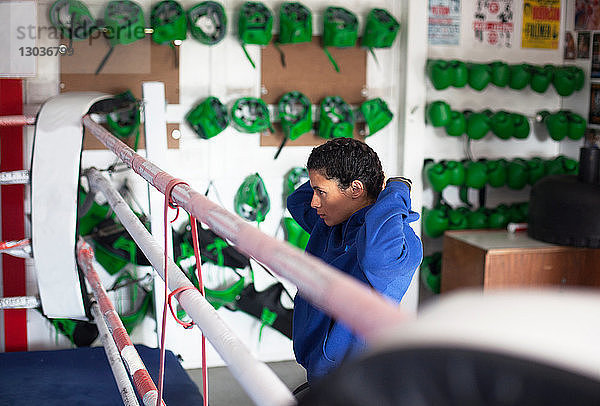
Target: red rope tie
176,292
168,203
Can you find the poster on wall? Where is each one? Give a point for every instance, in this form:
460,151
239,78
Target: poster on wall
493,23
594,117
570,50
444,22
541,24
587,15
583,45
596,56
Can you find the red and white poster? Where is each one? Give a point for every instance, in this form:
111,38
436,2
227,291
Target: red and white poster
493,23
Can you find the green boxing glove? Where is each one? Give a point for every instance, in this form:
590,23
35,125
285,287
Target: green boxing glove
541,77
535,170
502,125
478,125
441,74
480,76
457,124
500,73
517,174
438,113
496,172
476,174
499,217
435,221
557,125
437,175
478,219
520,76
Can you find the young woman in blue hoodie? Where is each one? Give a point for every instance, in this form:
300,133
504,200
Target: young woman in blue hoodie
360,225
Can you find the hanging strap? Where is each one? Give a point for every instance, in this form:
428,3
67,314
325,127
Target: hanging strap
248,56
335,65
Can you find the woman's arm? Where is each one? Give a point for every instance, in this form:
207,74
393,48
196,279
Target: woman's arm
385,241
298,203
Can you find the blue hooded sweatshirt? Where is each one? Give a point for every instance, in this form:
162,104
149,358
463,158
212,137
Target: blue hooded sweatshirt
375,245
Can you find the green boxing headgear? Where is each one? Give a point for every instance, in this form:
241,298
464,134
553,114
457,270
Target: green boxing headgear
336,118
294,178
377,114
168,22
380,30
255,25
72,18
124,22
340,29
294,233
295,23
251,199
250,115
295,114
209,118
295,26
125,122
208,22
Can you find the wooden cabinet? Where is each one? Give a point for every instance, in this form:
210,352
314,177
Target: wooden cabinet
498,259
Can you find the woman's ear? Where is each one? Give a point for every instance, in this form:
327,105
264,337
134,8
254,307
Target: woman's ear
357,189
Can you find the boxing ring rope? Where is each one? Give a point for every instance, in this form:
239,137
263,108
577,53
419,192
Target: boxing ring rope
13,121
141,378
257,379
362,309
114,359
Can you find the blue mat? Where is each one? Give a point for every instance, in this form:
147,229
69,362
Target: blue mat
83,376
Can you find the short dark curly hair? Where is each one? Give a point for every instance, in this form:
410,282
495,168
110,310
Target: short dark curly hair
347,159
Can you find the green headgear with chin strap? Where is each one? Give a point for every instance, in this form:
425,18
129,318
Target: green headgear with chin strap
377,114
168,22
381,29
72,18
295,26
124,21
336,118
294,178
251,199
125,122
255,25
295,23
250,115
208,22
209,118
295,116
340,29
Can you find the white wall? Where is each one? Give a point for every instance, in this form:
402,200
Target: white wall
224,72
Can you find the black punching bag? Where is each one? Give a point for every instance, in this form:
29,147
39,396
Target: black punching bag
565,209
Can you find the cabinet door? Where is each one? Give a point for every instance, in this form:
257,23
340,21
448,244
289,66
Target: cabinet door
556,267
